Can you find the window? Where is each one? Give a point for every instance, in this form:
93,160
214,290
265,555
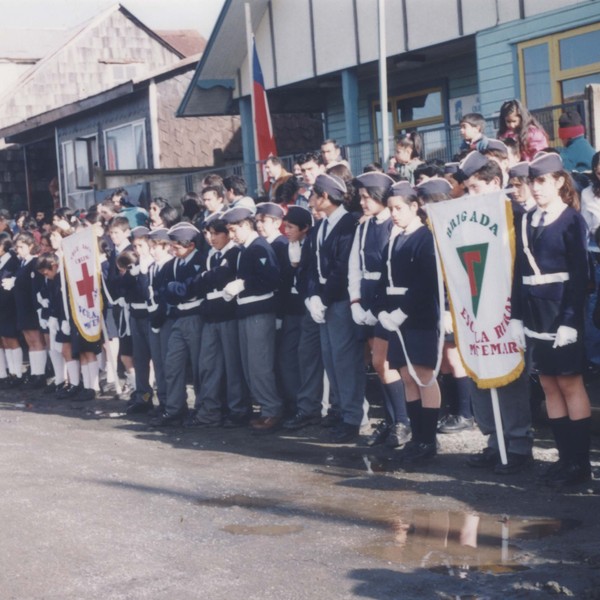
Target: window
126,147
80,156
555,69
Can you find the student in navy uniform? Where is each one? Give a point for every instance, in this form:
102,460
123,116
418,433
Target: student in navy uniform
27,318
481,176
329,305
257,280
186,328
548,312
300,359
136,282
409,301
220,361
160,326
9,264
364,272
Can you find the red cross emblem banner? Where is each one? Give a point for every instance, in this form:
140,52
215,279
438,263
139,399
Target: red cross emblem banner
83,282
475,242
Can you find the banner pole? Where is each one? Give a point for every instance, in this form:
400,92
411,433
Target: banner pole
110,359
498,423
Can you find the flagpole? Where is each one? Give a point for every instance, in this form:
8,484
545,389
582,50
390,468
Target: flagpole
383,84
250,49
498,423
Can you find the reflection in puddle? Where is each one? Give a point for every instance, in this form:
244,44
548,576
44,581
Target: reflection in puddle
270,530
456,543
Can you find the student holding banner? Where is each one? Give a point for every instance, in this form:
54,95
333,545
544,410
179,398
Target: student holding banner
412,315
548,312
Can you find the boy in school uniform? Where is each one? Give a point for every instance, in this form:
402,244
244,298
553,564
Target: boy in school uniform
257,280
186,328
220,362
329,305
472,131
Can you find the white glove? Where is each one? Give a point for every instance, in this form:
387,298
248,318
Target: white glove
232,289
448,322
134,270
8,283
370,319
358,313
145,263
392,320
517,332
43,322
294,252
564,336
278,324
65,327
317,309
43,302
154,330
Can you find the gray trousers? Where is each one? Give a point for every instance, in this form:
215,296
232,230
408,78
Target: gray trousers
220,363
343,357
309,397
140,337
159,344
515,411
184,346
286,360
257,346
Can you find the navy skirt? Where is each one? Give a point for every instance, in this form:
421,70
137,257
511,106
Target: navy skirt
566,360
421,345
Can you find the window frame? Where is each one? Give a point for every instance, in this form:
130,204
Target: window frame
131,125
557,74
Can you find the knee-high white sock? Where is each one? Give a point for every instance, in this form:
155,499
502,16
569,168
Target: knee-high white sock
17,356
94,375
73,371
3,365
58,365
37,362
101,361
9,360
85,375
130,377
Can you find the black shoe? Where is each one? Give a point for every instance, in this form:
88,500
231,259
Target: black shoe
236,421
51,388
379,434
68,392
399,435
515,463
344,433
4,383
139,408
15,381
193,421
550,471
454,424
486,459
571,474
300,420
85,395
416,451
167,420
331,419
35,382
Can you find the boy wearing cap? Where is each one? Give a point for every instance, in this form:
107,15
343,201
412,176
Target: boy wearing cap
578,152
220,361
253,290
186,327
329,305
482,176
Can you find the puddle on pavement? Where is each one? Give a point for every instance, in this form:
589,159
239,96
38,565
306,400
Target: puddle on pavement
269,530
455,543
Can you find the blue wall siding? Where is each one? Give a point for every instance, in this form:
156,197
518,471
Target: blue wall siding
497,64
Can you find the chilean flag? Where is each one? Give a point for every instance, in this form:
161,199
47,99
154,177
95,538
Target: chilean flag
265,142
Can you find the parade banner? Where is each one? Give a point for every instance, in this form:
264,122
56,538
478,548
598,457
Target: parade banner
83,281
475,242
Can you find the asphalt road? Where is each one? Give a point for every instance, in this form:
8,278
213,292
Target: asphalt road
96,505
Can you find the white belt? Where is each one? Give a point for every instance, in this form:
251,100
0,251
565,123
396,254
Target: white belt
396,291
322,280
214,295
152,307
250,299
550,337
371,276
545,278
188,305
139,306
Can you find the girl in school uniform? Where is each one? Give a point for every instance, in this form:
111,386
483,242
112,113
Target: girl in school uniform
371,238
517,123
23,286
551,274
410,306
11,354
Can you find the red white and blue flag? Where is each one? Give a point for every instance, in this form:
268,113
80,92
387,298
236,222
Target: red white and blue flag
263,130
